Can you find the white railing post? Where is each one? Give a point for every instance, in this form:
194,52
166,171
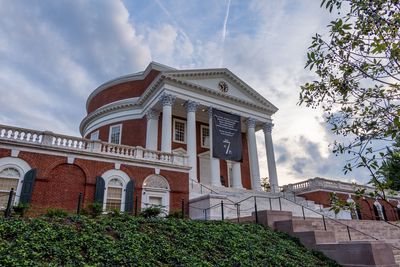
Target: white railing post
47,138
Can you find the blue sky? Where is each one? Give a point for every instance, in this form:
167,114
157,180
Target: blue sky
53,54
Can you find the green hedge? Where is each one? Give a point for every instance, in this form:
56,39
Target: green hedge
130,241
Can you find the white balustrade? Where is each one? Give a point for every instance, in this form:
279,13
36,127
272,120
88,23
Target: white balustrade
49,139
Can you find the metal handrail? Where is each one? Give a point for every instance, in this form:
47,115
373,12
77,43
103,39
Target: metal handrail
307,208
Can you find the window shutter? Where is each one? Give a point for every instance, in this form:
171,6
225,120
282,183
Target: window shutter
376,213
99,193
27,187
384,213
130,188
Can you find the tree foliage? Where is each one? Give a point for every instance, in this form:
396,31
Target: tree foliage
390,170
358,71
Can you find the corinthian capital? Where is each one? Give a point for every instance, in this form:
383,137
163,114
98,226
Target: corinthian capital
167,99
152,114
251,123
191,106
267,127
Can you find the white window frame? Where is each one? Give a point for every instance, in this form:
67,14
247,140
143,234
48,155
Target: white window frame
123,177
94,134
21,166
162,193
120,133
201,136
173,131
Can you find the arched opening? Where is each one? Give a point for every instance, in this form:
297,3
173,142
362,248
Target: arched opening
65,183
155,193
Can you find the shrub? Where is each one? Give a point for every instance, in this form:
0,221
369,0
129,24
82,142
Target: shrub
21,209
56,213
95,209
175,214
151,212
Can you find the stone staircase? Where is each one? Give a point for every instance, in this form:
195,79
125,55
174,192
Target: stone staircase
361,250
205,203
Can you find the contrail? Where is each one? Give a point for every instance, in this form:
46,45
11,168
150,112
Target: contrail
173,20
224,33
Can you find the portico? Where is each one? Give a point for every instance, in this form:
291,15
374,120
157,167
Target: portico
196,113
168,110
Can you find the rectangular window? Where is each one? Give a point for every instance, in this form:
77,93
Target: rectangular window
179,131
94,135
5,187
114,196
205,136
115,134
155,201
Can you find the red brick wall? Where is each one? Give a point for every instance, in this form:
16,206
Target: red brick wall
133,132
58,184
366,205
121,91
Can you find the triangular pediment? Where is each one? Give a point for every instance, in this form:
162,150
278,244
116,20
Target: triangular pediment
223,82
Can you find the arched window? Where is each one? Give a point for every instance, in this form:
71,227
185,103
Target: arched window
114,194
116,191
156,193
9,178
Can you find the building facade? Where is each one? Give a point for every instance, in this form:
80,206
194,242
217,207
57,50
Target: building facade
322,191
145,137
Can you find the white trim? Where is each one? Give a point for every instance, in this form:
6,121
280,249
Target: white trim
123,177
104,158
22,166
94,134
110,132
148,192
201,135
174,120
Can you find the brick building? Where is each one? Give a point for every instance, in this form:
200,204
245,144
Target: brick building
146,136
320,191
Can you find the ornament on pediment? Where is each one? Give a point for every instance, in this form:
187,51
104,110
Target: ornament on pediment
223,87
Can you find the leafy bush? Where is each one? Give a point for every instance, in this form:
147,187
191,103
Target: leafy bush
175,214
56,213
135,241
151,212
95,209
21,209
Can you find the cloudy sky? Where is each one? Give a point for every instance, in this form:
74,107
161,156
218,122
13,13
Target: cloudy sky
53,54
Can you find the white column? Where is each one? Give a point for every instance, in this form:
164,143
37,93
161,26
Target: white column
253,156
269,147
214,162
152,129
236,175
191,107
167,101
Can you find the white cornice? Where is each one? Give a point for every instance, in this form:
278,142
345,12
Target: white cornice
171,76
222,72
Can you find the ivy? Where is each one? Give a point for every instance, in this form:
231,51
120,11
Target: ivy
131,241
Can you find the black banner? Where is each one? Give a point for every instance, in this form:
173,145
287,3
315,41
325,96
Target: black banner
226,136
